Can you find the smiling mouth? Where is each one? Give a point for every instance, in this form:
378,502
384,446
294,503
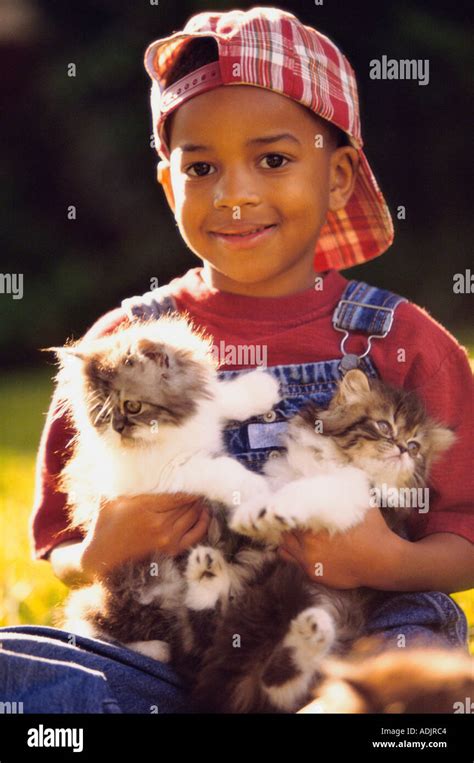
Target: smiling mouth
244,239
242,234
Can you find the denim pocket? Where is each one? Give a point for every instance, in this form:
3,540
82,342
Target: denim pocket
260,437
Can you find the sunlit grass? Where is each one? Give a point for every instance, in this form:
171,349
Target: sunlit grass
29,591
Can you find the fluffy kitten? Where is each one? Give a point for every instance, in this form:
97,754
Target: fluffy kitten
148,410
373,438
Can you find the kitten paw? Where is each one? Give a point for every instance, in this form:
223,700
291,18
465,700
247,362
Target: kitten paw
251,519
208,578
334,502
204,563
265,390
312,634
283,512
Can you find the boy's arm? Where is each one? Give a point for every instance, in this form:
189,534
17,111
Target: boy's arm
166,522
371,555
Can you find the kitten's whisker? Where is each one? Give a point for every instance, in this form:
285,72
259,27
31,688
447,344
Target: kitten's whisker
106,408
93,399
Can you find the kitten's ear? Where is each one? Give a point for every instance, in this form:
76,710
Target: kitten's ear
353,386
62,352
153,352
441,438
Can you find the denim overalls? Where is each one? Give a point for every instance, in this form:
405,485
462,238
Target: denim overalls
40,667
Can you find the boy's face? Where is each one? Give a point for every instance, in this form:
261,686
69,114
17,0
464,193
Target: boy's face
243,157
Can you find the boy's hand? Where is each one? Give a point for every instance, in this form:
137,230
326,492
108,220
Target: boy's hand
363,556
132,527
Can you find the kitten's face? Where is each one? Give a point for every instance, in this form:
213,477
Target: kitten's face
135,384
384,431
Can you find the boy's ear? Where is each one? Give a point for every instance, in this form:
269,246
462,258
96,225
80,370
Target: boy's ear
163,176
343,173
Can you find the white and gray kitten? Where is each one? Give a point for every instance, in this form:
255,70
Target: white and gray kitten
149,410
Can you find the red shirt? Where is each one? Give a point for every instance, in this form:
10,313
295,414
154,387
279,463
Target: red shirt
418,353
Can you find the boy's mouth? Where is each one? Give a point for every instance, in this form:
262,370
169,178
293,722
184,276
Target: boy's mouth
239,237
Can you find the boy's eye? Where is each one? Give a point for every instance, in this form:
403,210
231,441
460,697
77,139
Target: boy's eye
200,169
132,406
384,428
413,447
272,157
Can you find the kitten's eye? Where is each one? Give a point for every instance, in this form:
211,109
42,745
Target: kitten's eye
385,428
132,406
413,447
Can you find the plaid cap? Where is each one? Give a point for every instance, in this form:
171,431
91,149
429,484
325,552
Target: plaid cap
271,48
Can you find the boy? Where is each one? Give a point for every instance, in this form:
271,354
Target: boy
256,120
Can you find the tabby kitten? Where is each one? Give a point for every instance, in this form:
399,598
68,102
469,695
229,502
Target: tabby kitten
372,440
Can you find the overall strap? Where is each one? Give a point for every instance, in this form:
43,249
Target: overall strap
152,304
366,310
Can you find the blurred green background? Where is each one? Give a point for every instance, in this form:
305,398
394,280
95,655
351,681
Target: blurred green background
85,141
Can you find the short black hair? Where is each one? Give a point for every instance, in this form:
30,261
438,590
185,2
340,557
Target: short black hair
200,51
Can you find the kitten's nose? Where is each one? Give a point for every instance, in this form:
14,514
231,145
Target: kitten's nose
119,423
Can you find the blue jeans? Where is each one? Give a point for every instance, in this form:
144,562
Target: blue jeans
41,669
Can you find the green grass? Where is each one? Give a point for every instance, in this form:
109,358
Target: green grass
29,591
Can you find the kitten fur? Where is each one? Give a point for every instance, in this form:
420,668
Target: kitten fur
420,679
148,411
371,435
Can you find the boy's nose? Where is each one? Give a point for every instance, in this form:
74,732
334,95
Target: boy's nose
235,190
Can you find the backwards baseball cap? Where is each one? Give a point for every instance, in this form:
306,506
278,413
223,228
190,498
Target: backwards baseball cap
270,48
